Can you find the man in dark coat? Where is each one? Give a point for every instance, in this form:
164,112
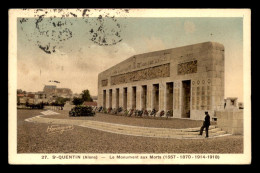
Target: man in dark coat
206,125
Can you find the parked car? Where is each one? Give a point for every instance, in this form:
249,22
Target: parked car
82,111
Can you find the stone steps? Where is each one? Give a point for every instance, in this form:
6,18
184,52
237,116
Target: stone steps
149,129
133,128
188,133
151,132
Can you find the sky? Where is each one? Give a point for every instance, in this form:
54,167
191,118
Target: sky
70,54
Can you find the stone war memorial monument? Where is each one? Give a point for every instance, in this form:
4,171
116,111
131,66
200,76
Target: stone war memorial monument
129,86
186,80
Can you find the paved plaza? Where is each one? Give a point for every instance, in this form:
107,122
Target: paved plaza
119,134
184,133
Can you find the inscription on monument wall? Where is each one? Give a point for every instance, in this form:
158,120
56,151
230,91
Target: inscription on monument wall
104,82
201,95
187,67
193,97
136,64
145,74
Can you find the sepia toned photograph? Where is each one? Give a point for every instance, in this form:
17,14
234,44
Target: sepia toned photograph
129,86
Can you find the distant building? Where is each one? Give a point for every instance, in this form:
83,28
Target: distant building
94,97
52,91
31,95
19,91
20,95
32,98
49,89
48,95
63,92
23,100
40,95
76,95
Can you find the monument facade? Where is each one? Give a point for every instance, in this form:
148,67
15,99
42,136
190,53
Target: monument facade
186,80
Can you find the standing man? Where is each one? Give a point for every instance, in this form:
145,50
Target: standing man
206,125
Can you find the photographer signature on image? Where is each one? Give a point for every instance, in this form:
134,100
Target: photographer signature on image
53,129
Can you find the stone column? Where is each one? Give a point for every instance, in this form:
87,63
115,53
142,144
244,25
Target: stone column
161,97
129,98
155,99
133,98
104,98
138,97
117,95
107,98
165,98
125,98
149,97
114,98
168,96
176,99
144,97
110,98
121,97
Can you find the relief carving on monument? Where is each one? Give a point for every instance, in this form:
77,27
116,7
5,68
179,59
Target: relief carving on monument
145,74
104,82
135,65
187,67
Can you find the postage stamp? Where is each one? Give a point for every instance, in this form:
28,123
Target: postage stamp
129,86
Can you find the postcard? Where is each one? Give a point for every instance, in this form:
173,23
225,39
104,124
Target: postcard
129,86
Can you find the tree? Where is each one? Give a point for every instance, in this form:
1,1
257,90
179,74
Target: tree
19,91
61,101
86,96
77,101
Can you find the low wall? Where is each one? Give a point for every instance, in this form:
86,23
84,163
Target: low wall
53,107
68,107
230,121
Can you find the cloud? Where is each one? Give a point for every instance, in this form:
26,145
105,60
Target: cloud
22,68
77,70
102,57
189,27
151,44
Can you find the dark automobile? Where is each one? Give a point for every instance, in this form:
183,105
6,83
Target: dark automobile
82,111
